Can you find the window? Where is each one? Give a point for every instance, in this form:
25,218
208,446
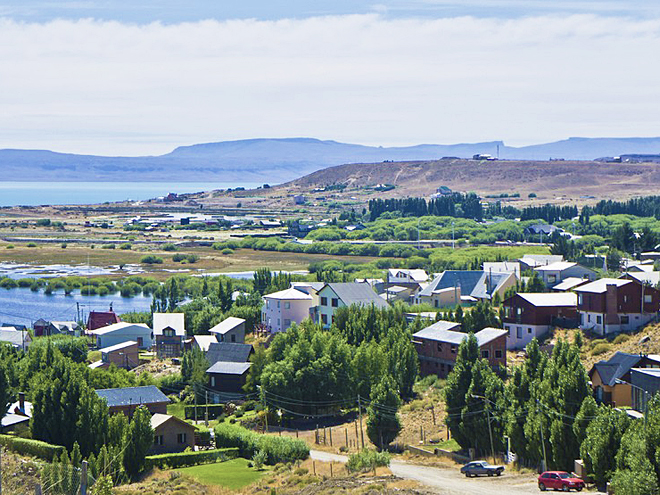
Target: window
324,301
287,323
287,305
579,298
335,302
648,298
437,303
158,440
439,346
453,351
598,319
485,354
625,320
233,338
181,438
625,298
529,329
213,381
498,353
442,367
436,364
589,318
519,332
324,319
278,304
168,332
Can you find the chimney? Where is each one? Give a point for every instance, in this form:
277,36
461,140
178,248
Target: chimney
611,316
21,402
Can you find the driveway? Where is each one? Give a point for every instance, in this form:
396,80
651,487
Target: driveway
449,481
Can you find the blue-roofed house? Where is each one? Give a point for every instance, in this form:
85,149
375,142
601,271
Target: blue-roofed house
226,379
454,287
126,400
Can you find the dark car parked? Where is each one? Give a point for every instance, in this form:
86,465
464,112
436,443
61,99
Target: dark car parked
476,468
560,480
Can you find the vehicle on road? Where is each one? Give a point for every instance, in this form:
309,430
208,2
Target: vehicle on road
477,468
560,480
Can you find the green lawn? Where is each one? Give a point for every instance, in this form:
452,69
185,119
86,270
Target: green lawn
176,409
450,445
232,474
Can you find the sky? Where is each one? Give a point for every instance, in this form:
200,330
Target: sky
107,78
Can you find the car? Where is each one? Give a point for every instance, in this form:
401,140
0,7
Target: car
560,480
476,468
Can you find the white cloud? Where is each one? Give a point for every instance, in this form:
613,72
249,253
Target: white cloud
112,88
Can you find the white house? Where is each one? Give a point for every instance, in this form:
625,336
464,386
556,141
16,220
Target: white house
285,307
404,276
337,295
121,332
20,339
169,332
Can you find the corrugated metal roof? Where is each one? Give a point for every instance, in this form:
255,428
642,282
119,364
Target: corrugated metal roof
227,325
116,327
549,299
558,266
442,331
570,283
489,334
229,368
228,351
357,293
117,347
132,396
600,286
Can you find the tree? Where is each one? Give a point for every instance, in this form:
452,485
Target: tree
138,441
7,377
635,474
535,283
383,423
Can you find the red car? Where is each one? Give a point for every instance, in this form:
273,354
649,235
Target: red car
559,480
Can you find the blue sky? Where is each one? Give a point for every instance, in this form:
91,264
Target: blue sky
142,77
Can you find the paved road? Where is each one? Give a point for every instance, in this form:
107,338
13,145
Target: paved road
448,481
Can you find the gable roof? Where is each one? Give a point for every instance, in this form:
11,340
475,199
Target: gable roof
570,283
550,299
98,319
600,286
442,331
160,419
357,293
289,295
116,327
118,347
175,321
12,336
650,277
614,368
229,368
227,325
229,351
132,396
204,341
489,334
475,283
306,286
540,259
417,274
557,266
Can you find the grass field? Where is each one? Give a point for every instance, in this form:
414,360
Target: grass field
234,474
176,409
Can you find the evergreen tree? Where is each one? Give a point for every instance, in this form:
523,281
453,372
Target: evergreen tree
383,423
139,439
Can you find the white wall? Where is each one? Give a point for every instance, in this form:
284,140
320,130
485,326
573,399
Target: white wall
528,332
278,314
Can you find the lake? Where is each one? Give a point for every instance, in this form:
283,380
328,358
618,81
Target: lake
22,306
77,193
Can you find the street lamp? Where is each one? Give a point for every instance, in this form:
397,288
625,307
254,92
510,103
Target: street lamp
490,431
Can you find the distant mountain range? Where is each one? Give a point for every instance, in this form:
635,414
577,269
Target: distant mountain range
275,161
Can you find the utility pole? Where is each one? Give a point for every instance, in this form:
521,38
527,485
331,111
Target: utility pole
545,459
206,418
83,479
360,414
490,430
0,469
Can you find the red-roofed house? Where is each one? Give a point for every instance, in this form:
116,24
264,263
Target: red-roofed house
100,319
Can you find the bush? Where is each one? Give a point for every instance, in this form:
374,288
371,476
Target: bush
227,251
63,245
183,459
620,339
150,259
10,246
367,460
169,247
600,349
276,449
36,448
126,246
108,246
259,459
31,244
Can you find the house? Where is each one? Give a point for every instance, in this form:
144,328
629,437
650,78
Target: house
648,278
68,328
610,380
44,328
169,332
569,284
357,226
299,199
125,355
406,277
270,224
612,305
227,377
541,230
229,352
121,332
285,307
171,434
126,400
311,288
645,383
454,287
99,319
437,347
531,315
397,293
232,329
201,342
18,416
502,267
444,191
15,338
337,295
531,261
559,271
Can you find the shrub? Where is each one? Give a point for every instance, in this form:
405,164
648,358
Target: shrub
36,448
178,257
125,246
183,459
63,245
10,246
600,349
620,339
227,251
259,459
108,246
31,244
169,247
150,259
367,460
276,449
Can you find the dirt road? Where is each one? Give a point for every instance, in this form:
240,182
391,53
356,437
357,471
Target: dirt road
449,481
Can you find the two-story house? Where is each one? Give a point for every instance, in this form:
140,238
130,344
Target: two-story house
231,329
531,315
285,307
437,347
611,380
338,295
612,305
170,333
453,287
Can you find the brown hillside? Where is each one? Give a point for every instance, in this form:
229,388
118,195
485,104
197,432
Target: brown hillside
547,179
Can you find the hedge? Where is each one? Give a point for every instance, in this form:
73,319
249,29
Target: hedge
215,410
183,459
35,448
277,449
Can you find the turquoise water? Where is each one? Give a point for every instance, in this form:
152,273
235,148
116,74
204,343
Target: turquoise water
80,193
